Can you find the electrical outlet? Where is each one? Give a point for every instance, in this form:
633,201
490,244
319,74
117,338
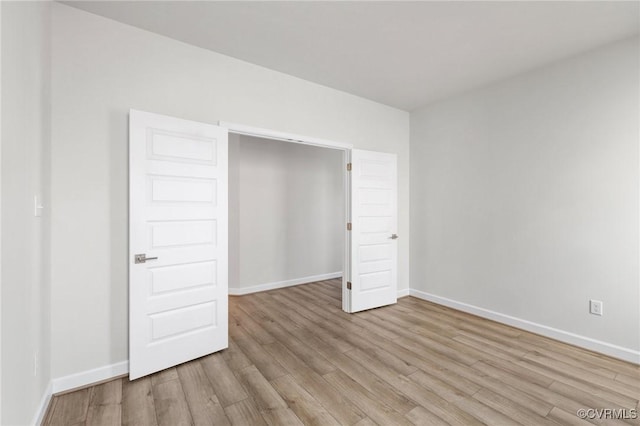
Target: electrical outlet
595,307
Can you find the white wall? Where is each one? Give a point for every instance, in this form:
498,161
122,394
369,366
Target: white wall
25,151
286,216
524,196
101,69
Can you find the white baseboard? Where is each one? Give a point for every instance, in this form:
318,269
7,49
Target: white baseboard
281,284
38,417
403,293
605,348
89,377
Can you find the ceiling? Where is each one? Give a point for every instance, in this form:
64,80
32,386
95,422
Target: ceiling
403,54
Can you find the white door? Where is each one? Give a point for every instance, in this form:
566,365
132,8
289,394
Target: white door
374,228
178,220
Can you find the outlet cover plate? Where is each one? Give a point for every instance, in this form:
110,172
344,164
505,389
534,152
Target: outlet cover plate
595,307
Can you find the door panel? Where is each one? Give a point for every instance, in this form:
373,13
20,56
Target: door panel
178,213
374,219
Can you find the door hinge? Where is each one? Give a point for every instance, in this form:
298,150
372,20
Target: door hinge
348,167
349,226
348,285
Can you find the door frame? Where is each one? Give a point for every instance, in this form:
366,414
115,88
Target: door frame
346,148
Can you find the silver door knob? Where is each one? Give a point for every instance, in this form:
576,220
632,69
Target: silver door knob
142,258
394,236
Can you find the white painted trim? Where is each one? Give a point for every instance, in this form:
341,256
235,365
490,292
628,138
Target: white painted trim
38,417
1,208
84,378
605,348
346,262
239,291
241,129
403,293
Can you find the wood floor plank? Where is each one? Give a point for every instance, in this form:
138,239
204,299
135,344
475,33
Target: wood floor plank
356,371
407,322
447,369
515,347
225,384
376,317
511,409
376,409
634,381
605,394
273,408
164,376
234,357
281,417
483,412
305,406
295,357
138,408
244,413
274,305
327,299
170,403
324,287
269,366
598,379
460,353
316,385
361,337
588,399
71,408
203,403
46,421
579,354
300,326
547,396
513,370
389,359
564,418
339,328
107,393
566,356
421,395
104,415
386,329
105,405
366,422
601,369
446,391
260,390
380,366
460,320
295,345
490,350
251,326
420,416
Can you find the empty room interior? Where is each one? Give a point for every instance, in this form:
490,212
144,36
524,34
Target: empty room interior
319,213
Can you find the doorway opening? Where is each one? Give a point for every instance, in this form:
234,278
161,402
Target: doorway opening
288,210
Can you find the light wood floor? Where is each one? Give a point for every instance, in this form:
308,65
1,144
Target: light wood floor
295,358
